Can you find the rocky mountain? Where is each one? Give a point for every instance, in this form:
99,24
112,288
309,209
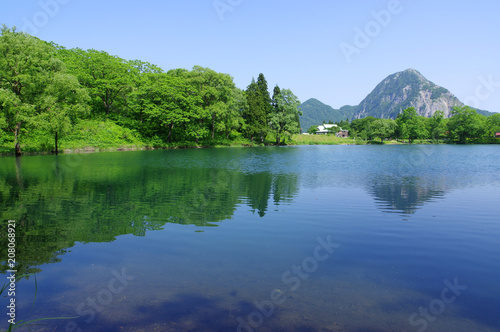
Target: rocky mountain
406,89
390,97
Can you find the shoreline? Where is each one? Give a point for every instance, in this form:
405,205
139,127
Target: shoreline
184,147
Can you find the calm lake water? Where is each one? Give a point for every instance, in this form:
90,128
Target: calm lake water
308,238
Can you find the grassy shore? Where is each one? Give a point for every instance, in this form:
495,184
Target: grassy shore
320,140
333,140
101,136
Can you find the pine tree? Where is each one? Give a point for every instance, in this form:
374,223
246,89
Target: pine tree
259,104
265,103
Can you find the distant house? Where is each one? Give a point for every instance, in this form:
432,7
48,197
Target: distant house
343,133
497,135
331,128
324,129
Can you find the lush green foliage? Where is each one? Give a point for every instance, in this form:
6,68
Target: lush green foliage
89,98
284,117
465,126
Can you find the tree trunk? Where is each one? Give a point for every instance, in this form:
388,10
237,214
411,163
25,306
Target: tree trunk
57,148
170,132
278,140
18,149
17,130
213,127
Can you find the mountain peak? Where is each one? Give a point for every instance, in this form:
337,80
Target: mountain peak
413,71
408,88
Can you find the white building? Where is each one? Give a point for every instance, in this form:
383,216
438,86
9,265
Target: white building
327,129
323,129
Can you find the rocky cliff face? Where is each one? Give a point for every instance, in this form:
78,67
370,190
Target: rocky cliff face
406,89
389,98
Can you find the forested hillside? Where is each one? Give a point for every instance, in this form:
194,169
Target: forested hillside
52,96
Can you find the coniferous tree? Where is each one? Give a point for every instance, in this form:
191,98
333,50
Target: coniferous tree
265,103
255,116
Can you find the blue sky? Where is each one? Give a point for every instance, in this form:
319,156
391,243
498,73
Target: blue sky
296,44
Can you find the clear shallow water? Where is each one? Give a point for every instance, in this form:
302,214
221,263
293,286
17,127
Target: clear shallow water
234,239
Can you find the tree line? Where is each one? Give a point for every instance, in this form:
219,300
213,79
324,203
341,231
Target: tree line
46,89
464,126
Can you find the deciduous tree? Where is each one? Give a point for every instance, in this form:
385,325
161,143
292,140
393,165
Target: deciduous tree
465,124
284,114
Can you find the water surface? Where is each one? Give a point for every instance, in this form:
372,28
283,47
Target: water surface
236,239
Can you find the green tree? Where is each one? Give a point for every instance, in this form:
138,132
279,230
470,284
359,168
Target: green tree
23,59
384,128
35,89
283,118
232,119
312,129
493,125
363,128
410,126
259,108
162,103
214,90
437,125
108,78
466,124
255,116
64,100
266,102
344,124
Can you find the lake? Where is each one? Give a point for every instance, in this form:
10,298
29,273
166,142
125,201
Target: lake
305,238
